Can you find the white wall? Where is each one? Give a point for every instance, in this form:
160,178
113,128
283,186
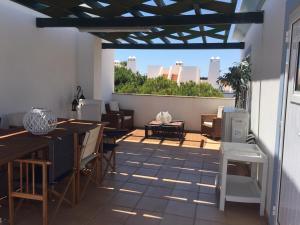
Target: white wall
175,69
265,44
87,61
189,73
107,80
131,64
42,67
154,71
37,66
188,109
214,71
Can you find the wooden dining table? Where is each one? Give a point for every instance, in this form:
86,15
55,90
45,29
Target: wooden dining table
17,143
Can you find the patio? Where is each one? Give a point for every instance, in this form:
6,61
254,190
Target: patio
155,183
49,47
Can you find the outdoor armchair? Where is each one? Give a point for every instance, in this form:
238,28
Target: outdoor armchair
211,124
118,118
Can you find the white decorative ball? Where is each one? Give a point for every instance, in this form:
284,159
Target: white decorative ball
39,121
164,117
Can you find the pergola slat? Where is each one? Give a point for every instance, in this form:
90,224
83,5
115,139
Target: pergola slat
153,21
238,45
156,23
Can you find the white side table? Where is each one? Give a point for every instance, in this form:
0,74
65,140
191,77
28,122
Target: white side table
241,188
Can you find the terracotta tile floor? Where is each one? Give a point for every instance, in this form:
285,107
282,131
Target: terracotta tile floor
157,183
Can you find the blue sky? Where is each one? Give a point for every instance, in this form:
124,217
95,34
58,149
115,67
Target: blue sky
167,58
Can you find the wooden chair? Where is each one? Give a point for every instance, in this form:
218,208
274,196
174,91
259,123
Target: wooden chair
109,148
90,157
35,176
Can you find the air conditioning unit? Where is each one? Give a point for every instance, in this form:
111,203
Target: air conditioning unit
235,125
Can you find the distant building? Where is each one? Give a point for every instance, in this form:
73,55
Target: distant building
131,64
178,72
117,63
214,71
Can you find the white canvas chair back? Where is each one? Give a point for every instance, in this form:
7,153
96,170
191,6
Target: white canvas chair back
90,144
220,111
89,109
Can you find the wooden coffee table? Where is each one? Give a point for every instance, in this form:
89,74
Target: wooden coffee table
174,129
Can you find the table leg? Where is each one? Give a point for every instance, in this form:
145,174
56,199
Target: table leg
223,183
146,132
77,167
254,170
10,198
263,189
100,169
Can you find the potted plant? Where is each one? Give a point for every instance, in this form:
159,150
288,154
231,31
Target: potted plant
238,79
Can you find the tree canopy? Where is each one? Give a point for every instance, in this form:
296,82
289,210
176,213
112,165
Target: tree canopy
128,82
238,78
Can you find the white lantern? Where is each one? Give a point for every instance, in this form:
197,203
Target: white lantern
39,121
164,117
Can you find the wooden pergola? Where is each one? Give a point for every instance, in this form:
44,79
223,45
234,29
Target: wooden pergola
148,24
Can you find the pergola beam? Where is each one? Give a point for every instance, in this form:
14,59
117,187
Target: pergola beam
153,21
238,45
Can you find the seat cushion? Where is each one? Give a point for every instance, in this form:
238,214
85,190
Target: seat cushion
114,106
220,111
208,124
127,117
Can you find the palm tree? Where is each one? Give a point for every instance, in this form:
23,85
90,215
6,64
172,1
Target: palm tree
238,79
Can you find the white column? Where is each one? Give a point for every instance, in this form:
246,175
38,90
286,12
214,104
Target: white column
95,68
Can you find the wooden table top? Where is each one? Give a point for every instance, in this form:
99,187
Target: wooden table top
175,123
15,143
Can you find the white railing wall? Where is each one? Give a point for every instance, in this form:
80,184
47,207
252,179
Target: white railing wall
188,109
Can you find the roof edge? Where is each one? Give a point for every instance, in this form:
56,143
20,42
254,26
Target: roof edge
240,30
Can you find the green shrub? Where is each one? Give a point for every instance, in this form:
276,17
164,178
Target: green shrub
128,82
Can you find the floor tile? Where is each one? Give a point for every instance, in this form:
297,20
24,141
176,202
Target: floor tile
122,177
126,169
190,177
210,213
181,209
191,164
206,199
112,215
207,222
158,161
147,172
167,174
176,220
152,204
125,200
185,196
186,185
133,188
145,218
158,192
